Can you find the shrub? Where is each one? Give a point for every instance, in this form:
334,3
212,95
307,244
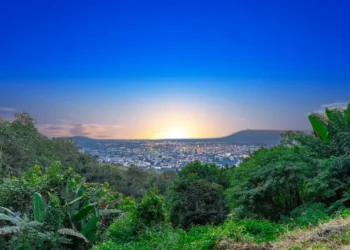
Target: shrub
272,183
260,230
208,171
151,211
196,202
63,205
309,213
124,229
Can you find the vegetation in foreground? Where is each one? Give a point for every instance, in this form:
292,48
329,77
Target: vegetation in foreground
292,196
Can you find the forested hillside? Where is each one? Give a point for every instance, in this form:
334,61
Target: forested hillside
291,196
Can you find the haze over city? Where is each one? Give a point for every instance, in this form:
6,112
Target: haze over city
172,69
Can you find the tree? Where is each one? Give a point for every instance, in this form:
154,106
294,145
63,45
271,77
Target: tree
196,197
151,210
22,147
272,183
207,171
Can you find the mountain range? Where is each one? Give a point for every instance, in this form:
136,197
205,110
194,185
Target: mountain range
268,137
249,137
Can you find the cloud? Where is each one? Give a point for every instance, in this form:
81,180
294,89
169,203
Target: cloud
7,109
63,121
335,105
341,105
102,131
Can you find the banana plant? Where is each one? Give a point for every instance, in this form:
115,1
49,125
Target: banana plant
84,214
18,224
335,120
319,128
38,207
39,215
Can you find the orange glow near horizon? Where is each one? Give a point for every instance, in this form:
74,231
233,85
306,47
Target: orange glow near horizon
161,120
176,133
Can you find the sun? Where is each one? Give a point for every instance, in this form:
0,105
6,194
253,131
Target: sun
176,133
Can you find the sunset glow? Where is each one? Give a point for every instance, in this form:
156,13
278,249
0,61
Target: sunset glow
175,69
176,133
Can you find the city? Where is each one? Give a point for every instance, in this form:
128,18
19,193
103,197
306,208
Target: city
163,155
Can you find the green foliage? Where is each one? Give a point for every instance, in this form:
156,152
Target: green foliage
199,237
74,208
258,231
332,179
22,146
196,201
125,229
131,181
151,210
337,124
302,182
319,127
308,214
196,197
38,207
25,234
209,172
272,183
347,113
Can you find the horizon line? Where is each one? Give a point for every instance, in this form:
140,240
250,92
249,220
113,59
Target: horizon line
174,139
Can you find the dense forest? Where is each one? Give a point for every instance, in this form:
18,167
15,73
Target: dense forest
295,195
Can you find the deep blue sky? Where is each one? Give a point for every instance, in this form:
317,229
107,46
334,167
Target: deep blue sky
132,69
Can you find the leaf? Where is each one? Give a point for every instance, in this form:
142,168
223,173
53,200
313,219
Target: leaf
8,211
38,207
80,189
320,128
76,200
90,226
83,212
14,220
9,230
335,117
71,232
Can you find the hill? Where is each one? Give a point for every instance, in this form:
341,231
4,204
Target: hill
268,137
251,137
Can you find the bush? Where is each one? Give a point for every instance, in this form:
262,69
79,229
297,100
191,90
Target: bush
309,213
272,183
63,204
124,229
196,202
151,211
209,172
199,237
260,231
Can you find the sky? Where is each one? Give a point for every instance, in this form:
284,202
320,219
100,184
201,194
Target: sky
129,69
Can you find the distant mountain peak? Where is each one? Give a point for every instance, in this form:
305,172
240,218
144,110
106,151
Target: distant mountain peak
254,136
